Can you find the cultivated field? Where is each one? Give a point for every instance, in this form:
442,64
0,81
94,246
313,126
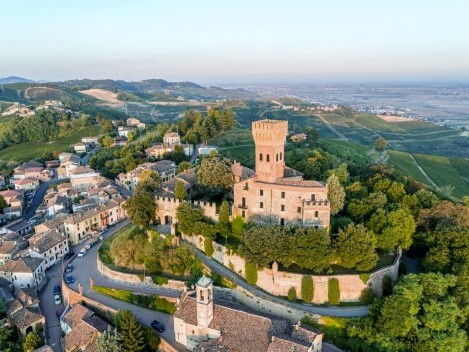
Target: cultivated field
27,151
104,95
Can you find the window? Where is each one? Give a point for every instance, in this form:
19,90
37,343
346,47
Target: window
282,222
283,195
282,207
261,205
281,155
298,210
276,157
316,214
313,197
260,156
261,192
268,157
243,214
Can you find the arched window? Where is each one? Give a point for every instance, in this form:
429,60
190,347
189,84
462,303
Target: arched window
268,157
260,156
276,157
281,156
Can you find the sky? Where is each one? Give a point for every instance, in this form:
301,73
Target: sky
236,41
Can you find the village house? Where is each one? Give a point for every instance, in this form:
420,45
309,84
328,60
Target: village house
12,212
23,311
299,137
16,229
26,184
9,249
50,246
165,168
56,224
170,140
90,141
67,164
32,170
83,178
83,223
51,164
277,193
14,198
81,328
207,149
201,324
188,178
124,131
133,122
119,141
80,147
24,272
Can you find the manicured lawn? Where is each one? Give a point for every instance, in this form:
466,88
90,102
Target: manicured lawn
30,150
403,163
153,302
442,172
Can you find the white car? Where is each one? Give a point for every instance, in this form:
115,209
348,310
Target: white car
57,300
82,253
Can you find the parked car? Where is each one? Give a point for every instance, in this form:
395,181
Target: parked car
56,290
155,324
87,247
69,268
81,253
57,300
69,255
69,279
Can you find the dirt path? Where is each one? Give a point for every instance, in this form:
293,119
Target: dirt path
340,135
423,172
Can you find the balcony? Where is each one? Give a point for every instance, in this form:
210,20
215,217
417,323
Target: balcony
316,202
242,206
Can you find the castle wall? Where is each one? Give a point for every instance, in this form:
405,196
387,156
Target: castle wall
279,282
166,207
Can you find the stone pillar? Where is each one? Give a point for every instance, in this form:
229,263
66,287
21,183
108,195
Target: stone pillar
80,289
91,282
274,270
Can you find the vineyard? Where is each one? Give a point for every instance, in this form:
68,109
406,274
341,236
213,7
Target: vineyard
461,165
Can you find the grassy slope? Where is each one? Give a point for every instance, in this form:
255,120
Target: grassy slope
30,150
441,171
403,162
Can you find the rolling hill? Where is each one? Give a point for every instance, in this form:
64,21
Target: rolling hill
15,79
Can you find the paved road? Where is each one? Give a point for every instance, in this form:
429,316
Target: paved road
86,267
86,158
330,311
195,155
38,198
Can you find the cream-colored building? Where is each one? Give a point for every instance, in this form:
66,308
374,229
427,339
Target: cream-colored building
129,180
172,138
26,184
200,324
83,178
277,193
83,223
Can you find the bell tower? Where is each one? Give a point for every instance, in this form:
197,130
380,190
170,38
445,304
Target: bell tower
269,137
204,294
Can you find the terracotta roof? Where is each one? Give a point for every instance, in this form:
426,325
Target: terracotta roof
82,215
25,181
241,171
171,134
304,332
11,193
81,335
26,317
27,296
76,314
14,306
299,183
42,242
289,172
53,223
280,344
45,348
29,164
21,265
81,170
7,247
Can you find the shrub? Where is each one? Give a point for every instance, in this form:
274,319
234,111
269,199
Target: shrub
291,294
251,273
208,247
333,291
367,296
159,280
307,288
387,285
237,226
365,277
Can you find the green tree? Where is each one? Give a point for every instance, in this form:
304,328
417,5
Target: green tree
426,198
356,248
393,228
32,342
333,292
208,246
3,203
250,273
149,180
214,174
9,340
110,341
307,288
107,141
141,208
224,219
341,172
152,340
380,144
183,166
420,315
180,191
132,332
336,194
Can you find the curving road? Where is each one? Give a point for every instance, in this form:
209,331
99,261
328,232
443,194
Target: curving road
38,198
329,311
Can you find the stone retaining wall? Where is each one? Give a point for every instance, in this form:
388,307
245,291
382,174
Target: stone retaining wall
133,279
279,282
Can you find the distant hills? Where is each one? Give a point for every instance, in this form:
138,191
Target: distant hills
15,79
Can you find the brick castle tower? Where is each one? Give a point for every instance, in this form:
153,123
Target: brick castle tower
269,137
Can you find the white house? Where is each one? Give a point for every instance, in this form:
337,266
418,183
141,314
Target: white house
24,272
124,131
49,246
27,184
80,147
207,149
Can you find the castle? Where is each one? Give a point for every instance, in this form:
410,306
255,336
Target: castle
277,193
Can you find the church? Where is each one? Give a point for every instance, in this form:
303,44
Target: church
276,193
203,325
